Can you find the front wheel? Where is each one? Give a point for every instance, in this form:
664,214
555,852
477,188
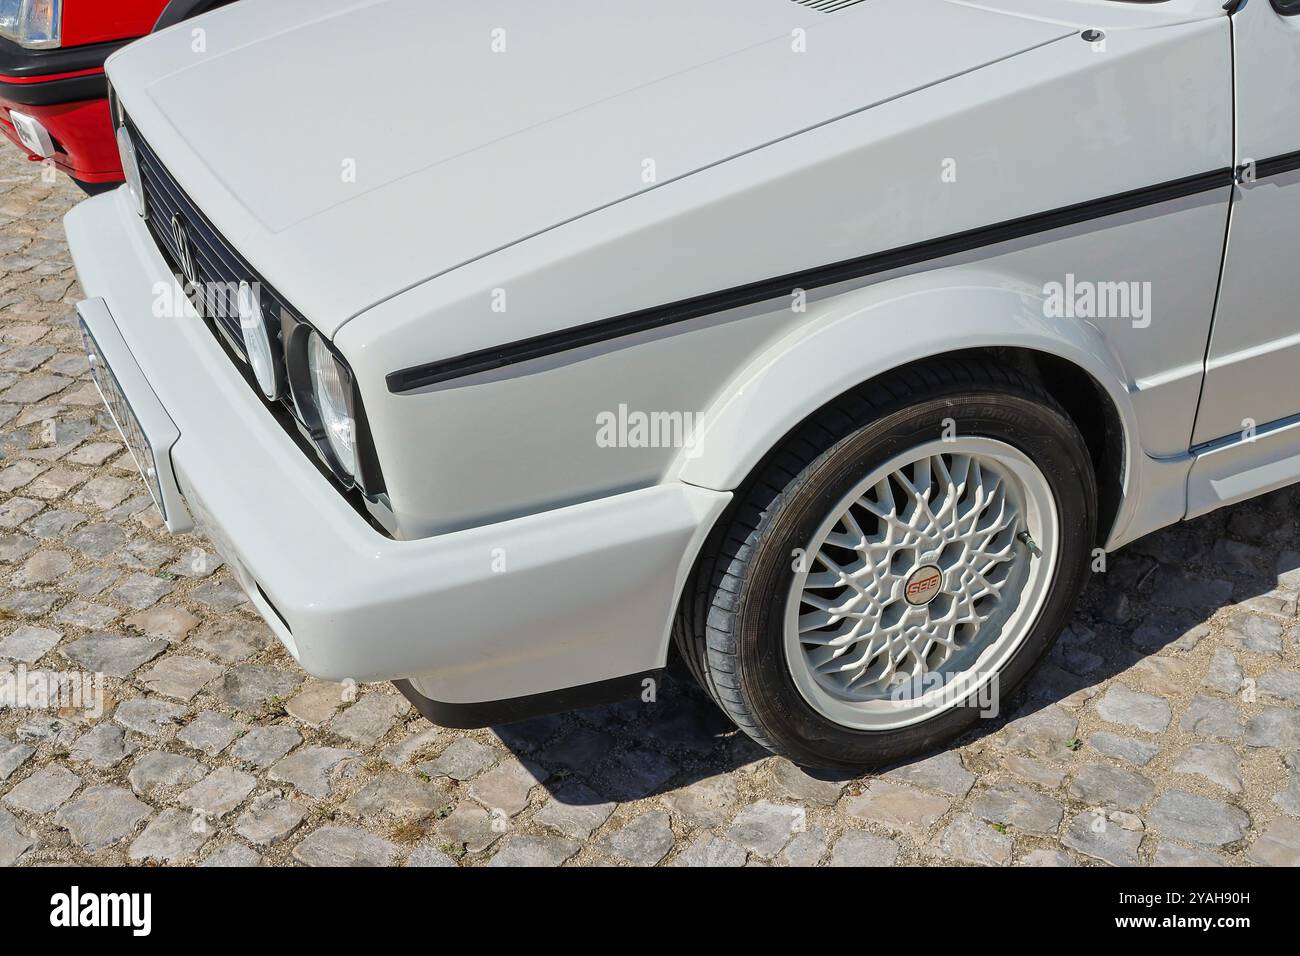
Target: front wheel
896,568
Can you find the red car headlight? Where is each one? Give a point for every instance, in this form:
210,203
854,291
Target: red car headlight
34,24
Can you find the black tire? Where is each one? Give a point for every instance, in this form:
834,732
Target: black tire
729,625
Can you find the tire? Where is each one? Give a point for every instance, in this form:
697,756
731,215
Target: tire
749,625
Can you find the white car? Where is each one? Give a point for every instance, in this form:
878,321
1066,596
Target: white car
502,346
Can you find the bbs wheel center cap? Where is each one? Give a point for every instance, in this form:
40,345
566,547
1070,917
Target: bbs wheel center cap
923,585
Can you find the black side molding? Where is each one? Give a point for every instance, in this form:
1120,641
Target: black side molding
1277,165
551,343
497,712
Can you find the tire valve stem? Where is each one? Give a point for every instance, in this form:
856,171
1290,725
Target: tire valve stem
1025,538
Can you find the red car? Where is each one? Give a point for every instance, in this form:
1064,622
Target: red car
53,98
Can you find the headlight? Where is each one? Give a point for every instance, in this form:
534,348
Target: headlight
257,341
328,407
330,385
35,24
130,166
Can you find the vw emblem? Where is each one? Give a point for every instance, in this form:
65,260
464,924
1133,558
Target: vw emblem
184,250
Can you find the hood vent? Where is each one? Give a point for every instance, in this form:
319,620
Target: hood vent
826,6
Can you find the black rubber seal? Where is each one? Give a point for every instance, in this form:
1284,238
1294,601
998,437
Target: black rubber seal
497,712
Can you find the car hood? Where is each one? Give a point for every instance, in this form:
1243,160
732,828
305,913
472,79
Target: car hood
351,150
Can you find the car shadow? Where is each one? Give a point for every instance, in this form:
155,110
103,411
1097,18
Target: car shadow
1153,598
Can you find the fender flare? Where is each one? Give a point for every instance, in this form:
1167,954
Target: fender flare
855,336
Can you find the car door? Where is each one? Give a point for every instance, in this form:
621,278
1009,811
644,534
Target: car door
1252,379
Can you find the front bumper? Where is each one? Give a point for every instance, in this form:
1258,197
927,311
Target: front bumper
568,597
80,132
65,92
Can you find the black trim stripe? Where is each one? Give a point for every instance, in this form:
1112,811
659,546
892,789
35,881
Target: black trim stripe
551,343
1277,165
72,89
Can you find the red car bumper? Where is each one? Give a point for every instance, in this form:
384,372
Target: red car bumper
82,148
64,91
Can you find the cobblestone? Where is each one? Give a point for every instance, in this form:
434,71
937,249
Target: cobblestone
1215,762
344,846
1197,819
858,848
28,644
643,842
1279,845
1101,784
472,829
113,654
158,768
463,759
397,796
1208,717
173,836
310,769
210,732
1015,805
270,819
975,841
263,746
180,677
102,816
1094,836
575,811
220,793
103,747
44,790
1136,752
765,828
147,715
1130,708
897,807
534,851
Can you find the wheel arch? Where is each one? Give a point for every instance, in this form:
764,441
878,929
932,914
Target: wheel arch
824,360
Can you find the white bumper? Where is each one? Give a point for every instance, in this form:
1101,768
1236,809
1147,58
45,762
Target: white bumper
528,606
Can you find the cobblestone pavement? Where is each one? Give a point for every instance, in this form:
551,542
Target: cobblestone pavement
1165,730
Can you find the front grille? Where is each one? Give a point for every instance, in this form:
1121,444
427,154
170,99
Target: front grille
216,263
213,262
